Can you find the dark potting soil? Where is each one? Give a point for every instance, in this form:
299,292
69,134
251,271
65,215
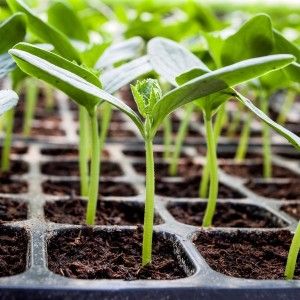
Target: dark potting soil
13,251
71,168
253,255
19,150
11,186
17,167
189,188
12,210
227,215
142,154
255,170
108,212
185,169
292,209
289,190
107,188
69,152
89,254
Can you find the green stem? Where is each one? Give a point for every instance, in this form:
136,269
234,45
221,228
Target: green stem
267,163
49,96
83,151
105,121
213,165
234,124
30,105
293,254
149,202
220,120
167,125
182,131
286,106
9,124
244,140
95,171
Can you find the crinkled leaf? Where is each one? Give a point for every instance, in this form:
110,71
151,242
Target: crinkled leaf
12,31
8,99
78,83
62,17
121,51
216,81
169,59
291,137
45,32
114,79
253,39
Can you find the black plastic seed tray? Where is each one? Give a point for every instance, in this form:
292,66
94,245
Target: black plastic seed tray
201,281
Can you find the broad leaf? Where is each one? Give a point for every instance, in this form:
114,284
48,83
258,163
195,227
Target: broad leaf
119,52
189,75
8,99
62,17
114,79
291,137
45,32
78,83
12,31
253,39
216,81
169,59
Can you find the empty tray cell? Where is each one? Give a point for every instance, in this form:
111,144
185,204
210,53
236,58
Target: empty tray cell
106,188
17,167
112,254
140,153
12,210
73,211
253,255
293,209
227,215
11,186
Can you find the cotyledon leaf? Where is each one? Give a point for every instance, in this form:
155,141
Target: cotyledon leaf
169,59
216,81
78,83
8,99
121,51
291,137
114,79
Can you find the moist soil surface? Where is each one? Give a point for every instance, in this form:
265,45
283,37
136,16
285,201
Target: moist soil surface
108,212
289,190
142,154
66,152
189,188
19,150
11,186
255,170
292,209
252,255
13,251
186,168
17,167
11,210
107,188
88,254
71,168
227,215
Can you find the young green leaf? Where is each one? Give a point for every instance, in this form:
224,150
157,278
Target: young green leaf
169,59
8,99
122,51
216,81
291,137
78,83
44,31
62,17
114,79
12,31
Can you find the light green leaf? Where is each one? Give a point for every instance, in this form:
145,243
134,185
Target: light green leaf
169,59
253,39
189,75
291,137
8,99
12,31
216,81
62,17
114,79
119,52
45,32
78,83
